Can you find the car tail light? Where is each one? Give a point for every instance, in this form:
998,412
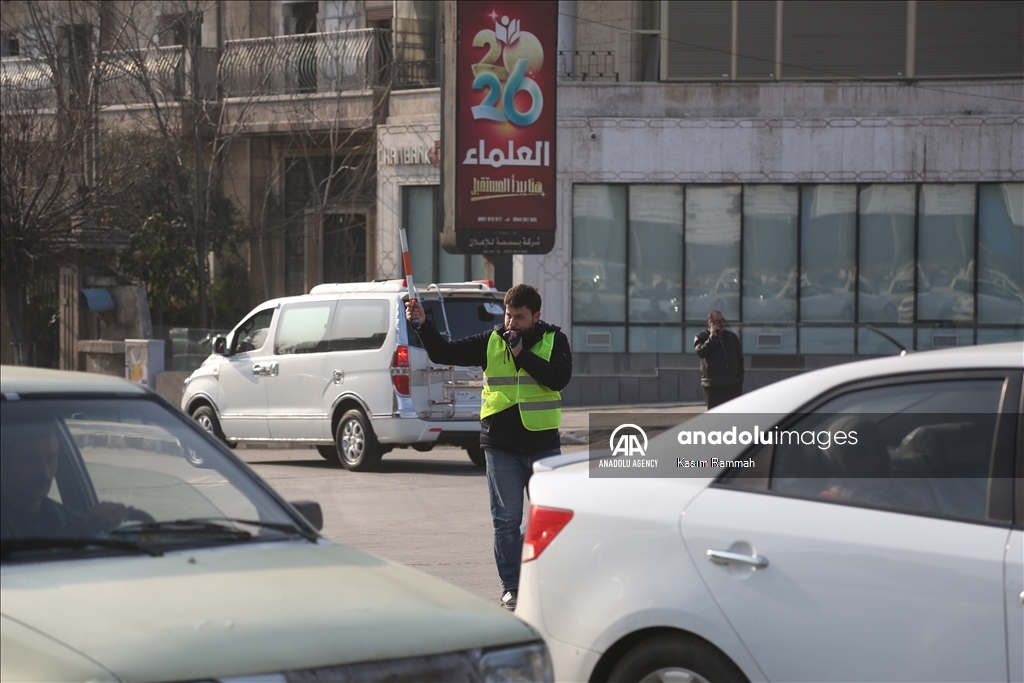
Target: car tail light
400,370
544,525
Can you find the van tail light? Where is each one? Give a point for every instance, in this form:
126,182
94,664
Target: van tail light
400,370
541,529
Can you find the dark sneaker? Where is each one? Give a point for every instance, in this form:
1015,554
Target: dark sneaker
508,600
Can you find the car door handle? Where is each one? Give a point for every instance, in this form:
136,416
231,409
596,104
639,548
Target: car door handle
339,376
727,557
264,369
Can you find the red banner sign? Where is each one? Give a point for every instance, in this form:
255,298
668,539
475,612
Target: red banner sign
505,85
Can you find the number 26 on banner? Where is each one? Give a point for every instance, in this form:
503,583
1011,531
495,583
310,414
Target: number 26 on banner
496,92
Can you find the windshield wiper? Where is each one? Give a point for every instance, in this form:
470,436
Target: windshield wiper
276,526
14,545
212,526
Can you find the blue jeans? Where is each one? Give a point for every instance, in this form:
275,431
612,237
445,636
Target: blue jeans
507,476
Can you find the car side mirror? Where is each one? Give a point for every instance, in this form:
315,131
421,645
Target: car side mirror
311,511
220,345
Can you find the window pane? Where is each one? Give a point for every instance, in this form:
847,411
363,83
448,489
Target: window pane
922,447
452,267
418,204
756,36
826,340
598,253
829,219
655,253
939,337
712,252
872,343
946,252
655,340
886,253
302,328
1001,253
700,32
769,340
593,339
360,325
976,38
769,253
843,39
998,336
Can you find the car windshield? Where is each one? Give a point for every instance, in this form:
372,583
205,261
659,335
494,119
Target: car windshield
465,317
88,475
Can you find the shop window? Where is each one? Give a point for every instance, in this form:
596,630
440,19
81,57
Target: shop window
886,272
1001,254
431,263
945,253
828,287
598,253
656,254
769,253
713,251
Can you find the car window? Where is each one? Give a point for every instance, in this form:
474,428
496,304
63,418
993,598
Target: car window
303,328
122,469
925,447
465,317
252,334
360,325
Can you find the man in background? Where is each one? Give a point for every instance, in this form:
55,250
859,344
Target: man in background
721,361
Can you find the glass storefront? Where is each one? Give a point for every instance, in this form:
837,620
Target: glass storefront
797,268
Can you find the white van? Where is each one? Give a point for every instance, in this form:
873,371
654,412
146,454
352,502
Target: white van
340,368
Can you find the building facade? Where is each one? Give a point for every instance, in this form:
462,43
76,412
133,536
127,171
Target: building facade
812,170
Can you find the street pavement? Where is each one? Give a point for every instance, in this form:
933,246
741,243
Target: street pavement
426,510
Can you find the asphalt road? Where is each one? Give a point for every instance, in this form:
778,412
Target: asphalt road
426,510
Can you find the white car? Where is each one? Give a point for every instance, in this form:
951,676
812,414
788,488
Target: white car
899,558
135,547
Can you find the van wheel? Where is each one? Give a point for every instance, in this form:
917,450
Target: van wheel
671,657
207,419
476,454
328,453
357,444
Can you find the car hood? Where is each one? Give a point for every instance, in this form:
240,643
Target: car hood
229,612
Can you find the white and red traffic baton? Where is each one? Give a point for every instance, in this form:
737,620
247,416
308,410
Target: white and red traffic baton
407,262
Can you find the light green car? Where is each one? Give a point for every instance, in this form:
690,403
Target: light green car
137,548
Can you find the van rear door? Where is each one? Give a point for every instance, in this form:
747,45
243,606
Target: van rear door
453,392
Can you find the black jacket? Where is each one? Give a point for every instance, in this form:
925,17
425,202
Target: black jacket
721,360
505,430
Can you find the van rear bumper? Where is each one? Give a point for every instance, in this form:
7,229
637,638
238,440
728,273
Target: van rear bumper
398,431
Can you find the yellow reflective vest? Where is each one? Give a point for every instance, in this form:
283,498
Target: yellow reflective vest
540,408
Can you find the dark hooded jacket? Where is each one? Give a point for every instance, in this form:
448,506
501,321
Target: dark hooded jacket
721,360
505,430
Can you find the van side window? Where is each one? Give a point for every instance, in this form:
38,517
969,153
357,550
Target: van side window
252,334
303,328
360,325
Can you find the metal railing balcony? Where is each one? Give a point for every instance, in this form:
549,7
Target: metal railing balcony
161,73
335,61
418,74
26,84
587,65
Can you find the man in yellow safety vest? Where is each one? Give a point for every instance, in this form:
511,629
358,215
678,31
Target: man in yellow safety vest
526,363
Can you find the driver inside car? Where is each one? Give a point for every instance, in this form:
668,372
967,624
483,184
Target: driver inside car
29,458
